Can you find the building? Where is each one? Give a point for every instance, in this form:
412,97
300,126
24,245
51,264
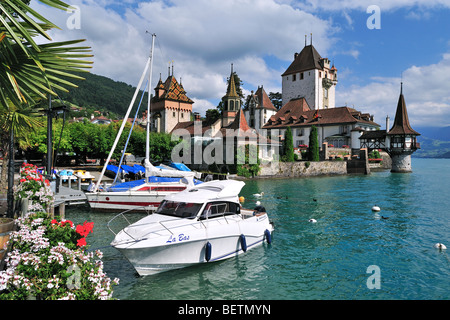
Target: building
310,76
399,142
217,142
339,127
258,109
231,102
170,105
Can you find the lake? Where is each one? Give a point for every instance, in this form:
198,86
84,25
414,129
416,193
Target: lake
351,252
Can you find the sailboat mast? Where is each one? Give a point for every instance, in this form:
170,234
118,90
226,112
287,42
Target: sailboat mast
122,125
147,146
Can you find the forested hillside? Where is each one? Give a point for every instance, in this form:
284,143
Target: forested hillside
102,93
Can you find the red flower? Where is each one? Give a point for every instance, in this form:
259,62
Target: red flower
81,242
63,223
54,221
85,229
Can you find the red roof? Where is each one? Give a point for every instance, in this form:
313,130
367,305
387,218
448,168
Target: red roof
297,113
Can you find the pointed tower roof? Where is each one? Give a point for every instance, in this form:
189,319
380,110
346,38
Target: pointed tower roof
307,59
231,90
172,91
401,121
264,100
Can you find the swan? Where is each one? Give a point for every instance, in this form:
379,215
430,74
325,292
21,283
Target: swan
258,195
440,246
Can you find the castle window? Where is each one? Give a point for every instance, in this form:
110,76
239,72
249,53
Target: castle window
173,114
294,77
182,115
301,76
231,105
320,74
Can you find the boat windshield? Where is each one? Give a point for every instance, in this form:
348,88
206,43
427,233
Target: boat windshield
179,209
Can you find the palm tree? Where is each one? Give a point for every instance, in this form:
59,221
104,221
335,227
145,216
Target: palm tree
30,72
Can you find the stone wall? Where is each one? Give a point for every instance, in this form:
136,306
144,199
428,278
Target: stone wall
303,169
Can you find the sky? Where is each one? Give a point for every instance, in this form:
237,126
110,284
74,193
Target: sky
375,45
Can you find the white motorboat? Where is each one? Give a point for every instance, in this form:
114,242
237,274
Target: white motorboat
201,224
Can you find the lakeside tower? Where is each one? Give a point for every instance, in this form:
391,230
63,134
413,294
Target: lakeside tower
401,140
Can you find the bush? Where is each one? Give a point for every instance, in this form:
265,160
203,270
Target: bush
48,261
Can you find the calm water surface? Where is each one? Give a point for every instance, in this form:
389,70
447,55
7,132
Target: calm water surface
324,260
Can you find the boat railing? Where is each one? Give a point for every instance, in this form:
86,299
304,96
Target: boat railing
122,214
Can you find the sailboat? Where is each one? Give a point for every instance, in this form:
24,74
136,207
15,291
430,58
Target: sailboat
145,194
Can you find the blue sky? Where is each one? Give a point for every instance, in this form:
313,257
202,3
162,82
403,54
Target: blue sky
260,37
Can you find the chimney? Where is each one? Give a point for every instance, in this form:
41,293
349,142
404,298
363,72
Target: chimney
197,117
387,124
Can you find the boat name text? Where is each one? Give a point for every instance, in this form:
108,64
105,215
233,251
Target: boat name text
181,237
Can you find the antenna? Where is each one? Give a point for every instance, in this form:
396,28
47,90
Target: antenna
305,40
311,38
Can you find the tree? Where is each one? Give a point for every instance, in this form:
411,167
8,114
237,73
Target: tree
313,150
30,72
276,99
288,146
212,115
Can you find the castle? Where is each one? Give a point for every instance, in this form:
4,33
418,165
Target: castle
308,99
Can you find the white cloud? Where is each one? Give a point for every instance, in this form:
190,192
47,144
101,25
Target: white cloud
312,5
424,87
202,37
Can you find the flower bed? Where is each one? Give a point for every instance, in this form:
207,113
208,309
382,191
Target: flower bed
35,188
47,256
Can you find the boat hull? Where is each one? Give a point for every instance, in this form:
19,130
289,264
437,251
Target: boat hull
121,201
141,198
188,246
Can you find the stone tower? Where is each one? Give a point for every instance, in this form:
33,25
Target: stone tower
401,140
310,76
170,105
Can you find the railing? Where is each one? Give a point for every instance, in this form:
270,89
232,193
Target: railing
166,224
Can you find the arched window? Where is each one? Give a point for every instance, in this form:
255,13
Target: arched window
231,105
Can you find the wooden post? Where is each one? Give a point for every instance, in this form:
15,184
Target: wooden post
62,210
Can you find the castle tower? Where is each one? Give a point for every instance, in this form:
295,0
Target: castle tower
310,76
401,140
170,105
231,102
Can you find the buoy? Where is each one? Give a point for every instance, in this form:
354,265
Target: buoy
258,195
312,220
376,208
440,246
268,236
243,242
208,251
241,199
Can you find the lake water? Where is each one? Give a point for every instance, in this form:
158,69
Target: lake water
349,253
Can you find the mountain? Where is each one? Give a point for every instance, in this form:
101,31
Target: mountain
434,142
102,93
